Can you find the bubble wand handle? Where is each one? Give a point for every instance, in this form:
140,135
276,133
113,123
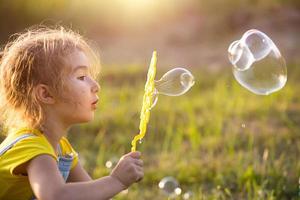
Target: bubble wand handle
147,101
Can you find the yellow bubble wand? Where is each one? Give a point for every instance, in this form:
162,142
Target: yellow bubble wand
147,102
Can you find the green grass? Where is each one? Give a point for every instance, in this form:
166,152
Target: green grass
218,140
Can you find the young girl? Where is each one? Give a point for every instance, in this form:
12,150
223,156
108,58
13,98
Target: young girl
47,85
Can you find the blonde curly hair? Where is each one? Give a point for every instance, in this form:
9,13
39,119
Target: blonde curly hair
33,57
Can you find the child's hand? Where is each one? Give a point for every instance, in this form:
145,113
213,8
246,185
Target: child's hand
129,169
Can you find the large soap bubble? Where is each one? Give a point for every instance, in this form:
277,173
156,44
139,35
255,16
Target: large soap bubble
257,63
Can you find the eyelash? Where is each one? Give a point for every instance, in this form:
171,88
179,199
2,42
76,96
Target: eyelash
82,78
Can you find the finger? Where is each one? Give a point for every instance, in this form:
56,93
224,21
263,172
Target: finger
139,169
135,154
138,162
122,157
139,179
140,176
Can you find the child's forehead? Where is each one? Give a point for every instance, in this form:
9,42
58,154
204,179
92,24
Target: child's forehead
78,60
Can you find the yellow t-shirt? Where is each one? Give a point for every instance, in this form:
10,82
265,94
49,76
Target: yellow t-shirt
17,187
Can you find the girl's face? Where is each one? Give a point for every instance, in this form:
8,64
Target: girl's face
80,93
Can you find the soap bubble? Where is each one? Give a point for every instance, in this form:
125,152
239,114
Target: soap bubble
111,163
188,195
173,83
257,63
259,43
170,186
240,56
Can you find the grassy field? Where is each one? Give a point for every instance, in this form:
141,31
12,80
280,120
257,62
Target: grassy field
218,140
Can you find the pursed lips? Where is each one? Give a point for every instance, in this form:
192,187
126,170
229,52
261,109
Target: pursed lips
94,104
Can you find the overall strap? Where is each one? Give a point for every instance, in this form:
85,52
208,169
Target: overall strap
64,163
10,145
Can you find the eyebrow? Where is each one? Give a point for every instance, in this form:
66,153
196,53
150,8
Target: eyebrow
80,67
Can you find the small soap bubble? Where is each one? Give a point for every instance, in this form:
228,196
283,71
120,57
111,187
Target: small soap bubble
188,195
234,52
257,63
178,191
240,56
111,163
170,186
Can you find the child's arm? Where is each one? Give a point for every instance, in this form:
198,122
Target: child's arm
48,184
78,174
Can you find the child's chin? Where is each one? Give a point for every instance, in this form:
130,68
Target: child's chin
87,119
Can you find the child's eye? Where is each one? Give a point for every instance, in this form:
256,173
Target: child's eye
81,78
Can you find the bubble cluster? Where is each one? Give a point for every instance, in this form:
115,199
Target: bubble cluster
257,63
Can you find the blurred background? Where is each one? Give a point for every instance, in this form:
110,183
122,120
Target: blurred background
185,33
219,141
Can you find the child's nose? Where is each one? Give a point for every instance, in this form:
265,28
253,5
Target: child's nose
95,87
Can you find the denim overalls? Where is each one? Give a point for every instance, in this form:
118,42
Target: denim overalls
64,162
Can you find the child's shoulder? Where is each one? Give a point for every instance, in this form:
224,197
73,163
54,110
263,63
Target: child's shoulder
26,140
20,147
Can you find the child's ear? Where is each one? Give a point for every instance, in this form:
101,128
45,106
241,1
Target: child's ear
43,94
